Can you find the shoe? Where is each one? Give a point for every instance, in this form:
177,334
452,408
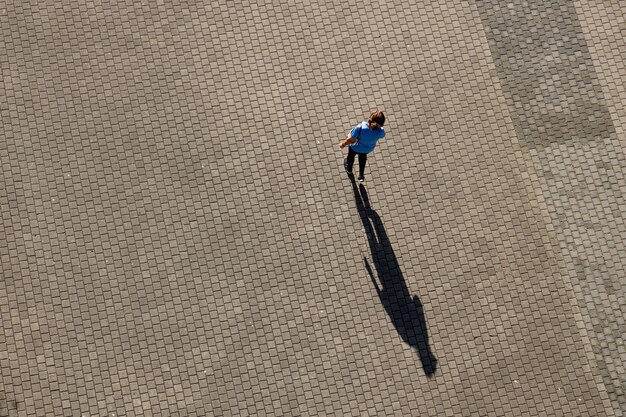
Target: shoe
361,179
345,166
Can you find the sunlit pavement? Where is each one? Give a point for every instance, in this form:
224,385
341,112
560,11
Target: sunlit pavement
180,238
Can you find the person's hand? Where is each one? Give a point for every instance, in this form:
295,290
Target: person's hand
346,142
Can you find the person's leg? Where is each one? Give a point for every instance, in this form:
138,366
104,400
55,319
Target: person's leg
362,161
350,160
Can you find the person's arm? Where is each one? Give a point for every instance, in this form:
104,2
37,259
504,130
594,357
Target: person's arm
346,142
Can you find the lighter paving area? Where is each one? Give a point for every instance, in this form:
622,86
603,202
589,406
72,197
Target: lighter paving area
182,240
604,27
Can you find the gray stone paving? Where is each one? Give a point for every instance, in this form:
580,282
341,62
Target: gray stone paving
181,239
561,118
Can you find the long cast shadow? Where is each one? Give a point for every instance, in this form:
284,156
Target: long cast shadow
405,310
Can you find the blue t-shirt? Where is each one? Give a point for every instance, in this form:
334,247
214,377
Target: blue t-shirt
366,137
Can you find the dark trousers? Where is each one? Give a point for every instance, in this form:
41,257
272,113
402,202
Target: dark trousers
362,161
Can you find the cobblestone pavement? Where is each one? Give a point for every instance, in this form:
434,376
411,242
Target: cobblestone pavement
180,238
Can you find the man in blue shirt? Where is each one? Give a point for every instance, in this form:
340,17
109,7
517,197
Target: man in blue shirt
362,140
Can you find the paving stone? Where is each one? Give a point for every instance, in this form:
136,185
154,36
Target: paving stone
181,239
580,170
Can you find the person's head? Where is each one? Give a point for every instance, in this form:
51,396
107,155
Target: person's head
376,120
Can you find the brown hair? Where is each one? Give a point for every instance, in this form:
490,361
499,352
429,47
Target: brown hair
377,119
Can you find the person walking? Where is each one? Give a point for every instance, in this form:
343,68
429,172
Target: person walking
362,140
